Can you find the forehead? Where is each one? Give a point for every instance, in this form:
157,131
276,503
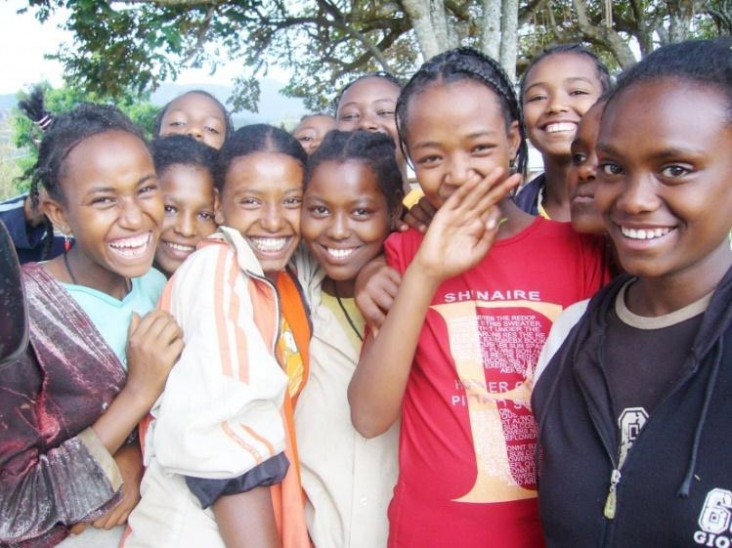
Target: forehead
270,172
559,67
459,107
589,126
195,102
107,150
665,112
186,177
316,123
370,89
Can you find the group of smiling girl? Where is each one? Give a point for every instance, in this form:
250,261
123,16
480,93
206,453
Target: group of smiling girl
270,414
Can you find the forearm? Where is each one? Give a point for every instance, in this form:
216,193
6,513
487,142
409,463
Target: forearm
378,384
114,426
247,519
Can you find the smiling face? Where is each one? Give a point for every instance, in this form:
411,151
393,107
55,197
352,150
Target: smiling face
262,199
558,90
582,174
112,205
311,130
197,116
455,131
345,220
663,182
190,204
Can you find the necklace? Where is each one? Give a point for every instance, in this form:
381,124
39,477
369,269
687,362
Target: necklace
128,284
345,313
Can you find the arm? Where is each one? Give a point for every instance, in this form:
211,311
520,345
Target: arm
376,288
460,235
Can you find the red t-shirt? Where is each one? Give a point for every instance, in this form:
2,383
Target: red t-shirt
466,452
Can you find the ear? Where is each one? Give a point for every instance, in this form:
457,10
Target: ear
56,213
218,216
514,140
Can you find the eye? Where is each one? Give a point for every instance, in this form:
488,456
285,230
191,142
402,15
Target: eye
305,139
385,113
675,171
249,203
206,216
170,209
348,116
148,188
318,211
579,158
212,130
177,123
576,92
482,148
361,212
103,201
611,169
429,161
293,202
534,98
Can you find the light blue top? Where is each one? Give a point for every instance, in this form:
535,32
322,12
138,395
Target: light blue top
111,316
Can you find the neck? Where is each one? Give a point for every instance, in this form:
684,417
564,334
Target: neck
76,268
658,296
556,195
516,220
344,289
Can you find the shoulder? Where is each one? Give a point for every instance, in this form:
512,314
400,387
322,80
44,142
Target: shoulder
558,333
401,247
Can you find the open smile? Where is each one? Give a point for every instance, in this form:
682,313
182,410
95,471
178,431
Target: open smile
132,248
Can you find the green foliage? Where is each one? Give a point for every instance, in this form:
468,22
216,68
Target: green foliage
26,135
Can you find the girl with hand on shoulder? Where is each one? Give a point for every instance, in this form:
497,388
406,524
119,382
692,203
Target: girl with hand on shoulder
221,459
633,406
185,169
479,292
98,355
352,200
558,87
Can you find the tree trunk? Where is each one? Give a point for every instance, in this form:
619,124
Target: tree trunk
509,37
429,21
490,39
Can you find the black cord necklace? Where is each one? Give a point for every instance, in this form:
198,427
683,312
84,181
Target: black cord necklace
345,313
128,285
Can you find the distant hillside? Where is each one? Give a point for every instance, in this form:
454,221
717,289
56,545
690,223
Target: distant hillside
274,108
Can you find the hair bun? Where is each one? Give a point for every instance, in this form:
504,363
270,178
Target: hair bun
34,109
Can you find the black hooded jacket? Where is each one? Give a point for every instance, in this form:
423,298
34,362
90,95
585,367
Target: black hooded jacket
675,487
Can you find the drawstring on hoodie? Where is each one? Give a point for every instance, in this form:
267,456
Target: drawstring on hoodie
683,491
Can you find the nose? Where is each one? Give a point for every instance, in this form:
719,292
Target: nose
587,172
368,122
556,103
637,196
458,171
272,218
185,225
196,132
338,228
131,214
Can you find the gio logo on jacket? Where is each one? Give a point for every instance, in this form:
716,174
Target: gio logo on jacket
715,520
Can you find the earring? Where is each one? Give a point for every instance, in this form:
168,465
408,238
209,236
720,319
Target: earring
512,165
67,243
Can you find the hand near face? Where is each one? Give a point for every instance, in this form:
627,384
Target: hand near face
376,288
464,229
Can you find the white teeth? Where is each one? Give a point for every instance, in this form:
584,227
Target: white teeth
135,241
269,245
131,247
644,234
560,126
181,247
340,253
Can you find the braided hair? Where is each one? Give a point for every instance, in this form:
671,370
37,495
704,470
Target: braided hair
62,136
703,62
603,74
375,150
256,138
465,64
33,107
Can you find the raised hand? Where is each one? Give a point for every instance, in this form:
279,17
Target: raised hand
465,227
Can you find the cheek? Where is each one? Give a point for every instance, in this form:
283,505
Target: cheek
572,178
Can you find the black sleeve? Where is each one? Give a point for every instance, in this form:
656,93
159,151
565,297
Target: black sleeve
270,472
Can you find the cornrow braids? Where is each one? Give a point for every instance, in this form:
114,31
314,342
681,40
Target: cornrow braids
256,138
389,77
702,62
375,150
182,150
603,74
465,64
158,121
66,132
